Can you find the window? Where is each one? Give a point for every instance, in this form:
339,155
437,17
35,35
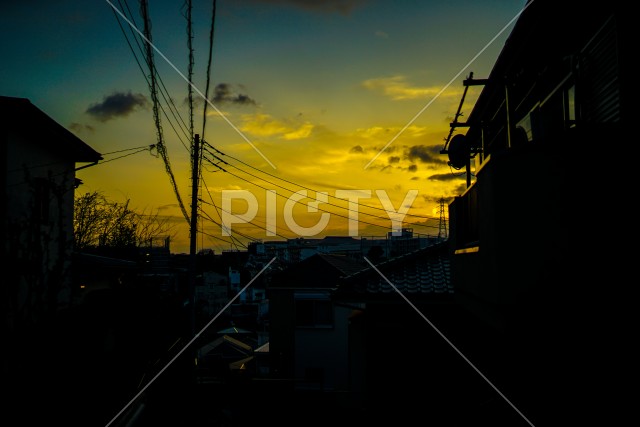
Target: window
570,106
525,127
313,310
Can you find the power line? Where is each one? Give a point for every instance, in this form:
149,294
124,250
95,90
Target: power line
154,97
300,185
205,103
209,61
189,7
127,155
219,209
128,149
229,242
324,210
44,165
163,89
248,222
207,216
28,168
329,203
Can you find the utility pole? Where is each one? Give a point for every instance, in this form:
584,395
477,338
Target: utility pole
195,157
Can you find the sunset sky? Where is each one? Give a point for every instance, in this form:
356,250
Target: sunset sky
304,96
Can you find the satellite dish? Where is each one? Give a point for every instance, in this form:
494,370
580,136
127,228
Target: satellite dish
459,151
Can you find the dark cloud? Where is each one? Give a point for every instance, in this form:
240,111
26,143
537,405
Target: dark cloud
447,177
118,104
343,7
394,159
390,149
415,178
412,168
80,127
224,93
426,154
356,149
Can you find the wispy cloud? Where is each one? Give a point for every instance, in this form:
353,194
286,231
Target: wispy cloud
302,132
81,128
118,104
263,125
382,133
381,34
398,89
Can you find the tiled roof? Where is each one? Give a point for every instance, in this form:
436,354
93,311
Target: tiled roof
424,271
343,263
318,271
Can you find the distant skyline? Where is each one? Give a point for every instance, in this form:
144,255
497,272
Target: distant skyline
329,96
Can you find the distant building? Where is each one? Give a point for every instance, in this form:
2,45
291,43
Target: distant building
298,249
211,292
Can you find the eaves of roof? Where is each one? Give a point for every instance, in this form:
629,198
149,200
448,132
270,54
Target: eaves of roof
21,114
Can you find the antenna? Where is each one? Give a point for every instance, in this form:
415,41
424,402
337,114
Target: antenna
459,151
458,147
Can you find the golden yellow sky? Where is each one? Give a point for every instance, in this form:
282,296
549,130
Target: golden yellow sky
301,97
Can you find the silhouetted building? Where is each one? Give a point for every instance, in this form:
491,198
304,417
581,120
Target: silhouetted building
38,176
545,134
308,333
396,359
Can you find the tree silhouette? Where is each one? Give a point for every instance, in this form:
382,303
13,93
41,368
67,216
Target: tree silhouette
98,222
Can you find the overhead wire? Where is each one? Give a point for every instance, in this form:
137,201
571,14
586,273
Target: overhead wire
154,97
32,167
208,217
234,240
189,6
162,88
231,243
153,83
302,186
204,112
149,148
208,73
220,209
329,203
248,222
43,165
324,210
